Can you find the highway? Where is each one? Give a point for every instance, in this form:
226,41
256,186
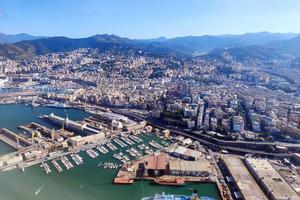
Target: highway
194,136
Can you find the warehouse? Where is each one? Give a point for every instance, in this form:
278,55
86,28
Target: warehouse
8,160
156,165
185,153
270,180
190,168
242,178
81,140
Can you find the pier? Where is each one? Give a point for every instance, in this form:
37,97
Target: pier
92,153
120,143
128,141
71,125
77,159
46,168
111,146
102,149
57,166
65,161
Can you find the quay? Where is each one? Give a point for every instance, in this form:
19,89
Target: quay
162,169
14,140
71,125
239,177
45,131
43,147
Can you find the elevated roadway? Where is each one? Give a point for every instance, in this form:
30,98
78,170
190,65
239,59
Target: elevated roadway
232,146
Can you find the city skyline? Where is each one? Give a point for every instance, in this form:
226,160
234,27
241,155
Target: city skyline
142,20
149,99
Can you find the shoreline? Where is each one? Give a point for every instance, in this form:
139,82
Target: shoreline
140,180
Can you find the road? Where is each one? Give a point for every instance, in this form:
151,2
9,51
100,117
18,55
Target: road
194,136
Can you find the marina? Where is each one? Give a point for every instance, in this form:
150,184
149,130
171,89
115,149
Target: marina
102,149
120,143
91,168
128,141
135,138
111,146
57,166
92,153
46,167
109,165
66,162
77,159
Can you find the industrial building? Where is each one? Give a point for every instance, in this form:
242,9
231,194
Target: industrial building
119,121
10,159
82,140
162,164
72,125
156,165
186,153
109,117
243,180
190,168
270,180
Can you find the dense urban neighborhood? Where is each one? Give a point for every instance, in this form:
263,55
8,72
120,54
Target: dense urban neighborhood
211,117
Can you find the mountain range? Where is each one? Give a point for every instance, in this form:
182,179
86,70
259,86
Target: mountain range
260,45
4,38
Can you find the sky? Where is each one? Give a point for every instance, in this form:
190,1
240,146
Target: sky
143,19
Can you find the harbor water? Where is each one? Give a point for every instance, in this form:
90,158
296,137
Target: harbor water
84,182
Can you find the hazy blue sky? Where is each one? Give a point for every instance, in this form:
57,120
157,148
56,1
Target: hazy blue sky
148,18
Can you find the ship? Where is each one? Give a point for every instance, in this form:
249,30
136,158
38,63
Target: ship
164,196
123,181
58,105
170,181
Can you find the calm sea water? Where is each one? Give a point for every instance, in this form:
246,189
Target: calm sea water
86,182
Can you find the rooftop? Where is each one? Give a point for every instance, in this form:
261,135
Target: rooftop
243,179
276,185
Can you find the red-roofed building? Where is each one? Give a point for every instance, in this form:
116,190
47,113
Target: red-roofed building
151,162
156,165
161,163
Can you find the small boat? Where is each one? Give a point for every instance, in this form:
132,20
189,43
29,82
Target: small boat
35,105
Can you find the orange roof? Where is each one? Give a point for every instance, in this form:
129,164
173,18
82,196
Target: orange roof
151,162
157,162
161,162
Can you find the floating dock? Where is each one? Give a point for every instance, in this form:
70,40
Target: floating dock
65,161
46,168
77,159
120,143
57,166
14,140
